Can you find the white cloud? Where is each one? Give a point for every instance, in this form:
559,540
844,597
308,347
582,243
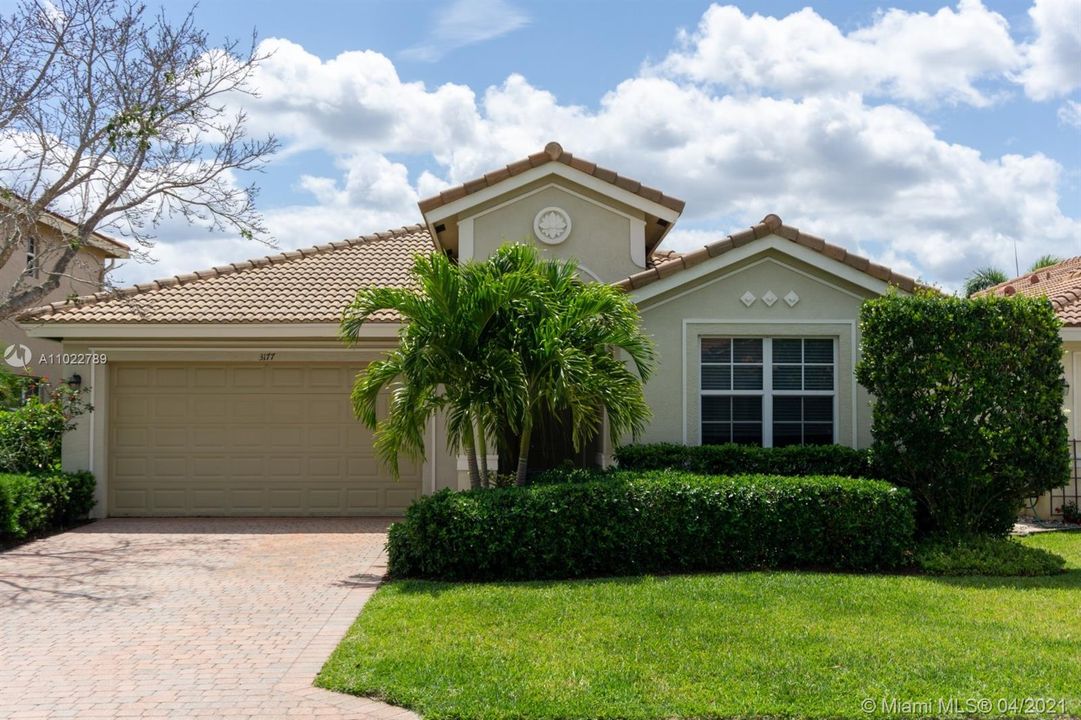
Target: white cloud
1054,57
910,56
468,22
1069,113
876,178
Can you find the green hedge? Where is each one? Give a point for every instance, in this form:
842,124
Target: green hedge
34,503
633,523
968,405
798,460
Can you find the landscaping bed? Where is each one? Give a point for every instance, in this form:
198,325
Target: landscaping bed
744,644
661,522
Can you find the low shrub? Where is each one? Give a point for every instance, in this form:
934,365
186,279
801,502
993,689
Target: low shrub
632,523
33,503
30,435
986,555
731,459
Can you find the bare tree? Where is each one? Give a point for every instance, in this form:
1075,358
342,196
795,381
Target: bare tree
117,120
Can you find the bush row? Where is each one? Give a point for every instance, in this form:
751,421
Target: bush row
797,460
33,503
632,523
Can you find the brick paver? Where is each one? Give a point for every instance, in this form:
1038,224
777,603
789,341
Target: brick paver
185,618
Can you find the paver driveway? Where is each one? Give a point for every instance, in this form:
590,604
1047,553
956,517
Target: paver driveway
223,618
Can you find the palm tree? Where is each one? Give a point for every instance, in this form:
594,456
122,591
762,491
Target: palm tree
564,334
1044,261
983,278
494,345
441,362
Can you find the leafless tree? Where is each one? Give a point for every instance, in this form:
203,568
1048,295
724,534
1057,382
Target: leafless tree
117,119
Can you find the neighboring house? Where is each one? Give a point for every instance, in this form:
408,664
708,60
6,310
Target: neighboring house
226,391
86,275
1061,284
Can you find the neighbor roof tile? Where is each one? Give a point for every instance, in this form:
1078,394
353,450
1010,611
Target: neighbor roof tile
1060,283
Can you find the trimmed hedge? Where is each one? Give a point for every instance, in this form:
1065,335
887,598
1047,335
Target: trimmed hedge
968,405
731,459
656,522
34,503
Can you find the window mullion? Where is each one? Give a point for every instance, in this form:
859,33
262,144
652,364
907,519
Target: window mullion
767,392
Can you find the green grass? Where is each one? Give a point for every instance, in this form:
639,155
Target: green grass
791,644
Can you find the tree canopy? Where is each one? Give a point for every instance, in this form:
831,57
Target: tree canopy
117,119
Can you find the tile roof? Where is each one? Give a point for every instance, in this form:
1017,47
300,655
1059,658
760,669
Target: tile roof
314,285
553,152
1060,283
770,225
302,286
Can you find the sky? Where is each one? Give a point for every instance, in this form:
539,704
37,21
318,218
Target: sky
930,137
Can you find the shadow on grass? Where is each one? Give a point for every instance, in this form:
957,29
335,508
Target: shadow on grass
1068,580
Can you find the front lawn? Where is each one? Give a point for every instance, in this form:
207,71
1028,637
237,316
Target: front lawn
739,644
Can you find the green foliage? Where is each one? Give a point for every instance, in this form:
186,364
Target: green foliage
30,435
1044,261
968,399
983,278
656,522
732,459
986,555
494,344
34,503
1071,513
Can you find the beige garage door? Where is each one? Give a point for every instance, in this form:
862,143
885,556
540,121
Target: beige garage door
231,439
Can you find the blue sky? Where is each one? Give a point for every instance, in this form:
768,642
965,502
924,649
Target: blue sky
931,136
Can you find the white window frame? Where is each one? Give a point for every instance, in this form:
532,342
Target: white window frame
767,391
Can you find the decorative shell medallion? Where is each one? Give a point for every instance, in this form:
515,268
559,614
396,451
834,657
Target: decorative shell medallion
552,225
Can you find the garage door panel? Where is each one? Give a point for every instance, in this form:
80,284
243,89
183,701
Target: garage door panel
227,439
245,408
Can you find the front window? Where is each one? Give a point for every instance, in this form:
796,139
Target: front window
768,391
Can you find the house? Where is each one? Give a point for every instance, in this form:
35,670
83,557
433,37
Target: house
1061,284
225,391
86,275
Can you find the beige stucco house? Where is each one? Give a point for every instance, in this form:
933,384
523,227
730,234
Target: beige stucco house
86,275
225,392
1061,284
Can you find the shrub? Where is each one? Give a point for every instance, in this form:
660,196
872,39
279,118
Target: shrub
798,460
33,503
656,522
30,435
986,555
968,398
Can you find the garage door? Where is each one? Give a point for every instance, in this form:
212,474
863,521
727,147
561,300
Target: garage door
231,439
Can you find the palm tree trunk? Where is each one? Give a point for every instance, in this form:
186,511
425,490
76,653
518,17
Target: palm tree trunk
471,460
482,450
523,450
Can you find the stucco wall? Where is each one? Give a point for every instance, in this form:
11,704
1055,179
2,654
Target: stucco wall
827,307
1071,366
85,278
601,237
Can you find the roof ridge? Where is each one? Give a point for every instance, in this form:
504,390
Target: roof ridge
218,271
552,152
770,225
